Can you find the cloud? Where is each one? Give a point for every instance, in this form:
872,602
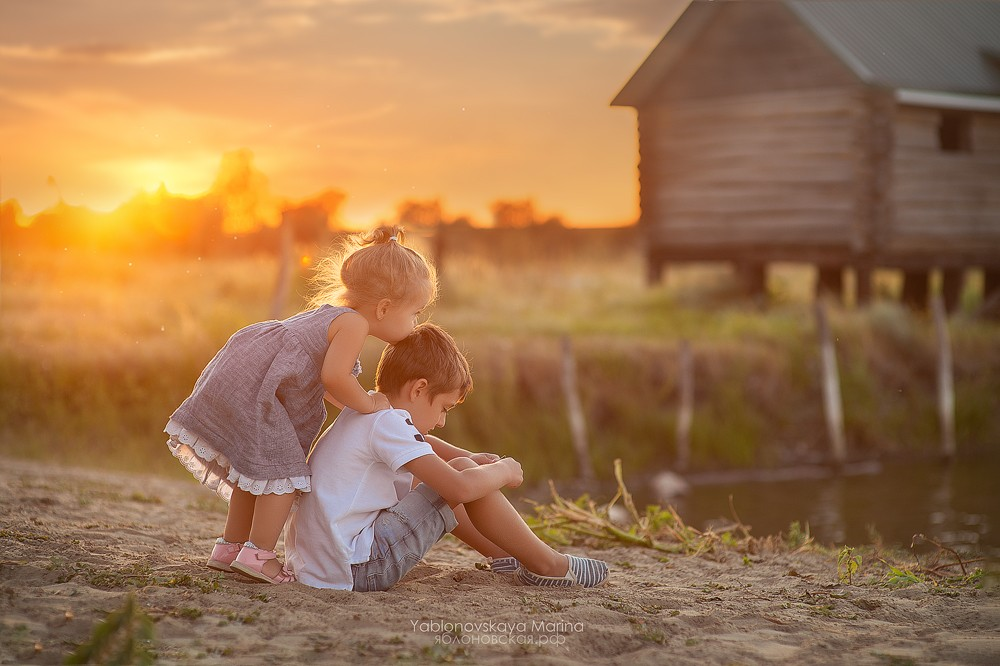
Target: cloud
252,25
116,54
122,122
622,23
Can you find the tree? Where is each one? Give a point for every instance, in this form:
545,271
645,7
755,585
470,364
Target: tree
414,213
513,214
244,195
247,204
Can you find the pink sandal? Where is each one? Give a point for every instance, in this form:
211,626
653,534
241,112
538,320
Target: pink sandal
250,562
223,555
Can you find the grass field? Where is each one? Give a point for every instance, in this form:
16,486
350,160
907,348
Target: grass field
97,350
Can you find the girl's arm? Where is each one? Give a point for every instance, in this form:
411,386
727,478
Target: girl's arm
447,451
458,486
347,336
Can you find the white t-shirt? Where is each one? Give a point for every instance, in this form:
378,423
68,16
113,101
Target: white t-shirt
356,473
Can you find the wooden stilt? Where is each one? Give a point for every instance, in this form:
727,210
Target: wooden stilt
830,282
952,282
915,289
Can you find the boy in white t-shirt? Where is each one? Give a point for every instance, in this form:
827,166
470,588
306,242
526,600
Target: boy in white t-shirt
365,525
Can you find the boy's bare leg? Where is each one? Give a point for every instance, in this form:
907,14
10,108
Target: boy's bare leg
468,533
269,515
240,516
495,519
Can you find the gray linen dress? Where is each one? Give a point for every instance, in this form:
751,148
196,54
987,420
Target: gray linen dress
257,407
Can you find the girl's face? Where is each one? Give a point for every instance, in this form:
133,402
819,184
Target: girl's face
400,317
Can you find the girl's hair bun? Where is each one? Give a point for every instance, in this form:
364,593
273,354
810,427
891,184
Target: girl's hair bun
386,233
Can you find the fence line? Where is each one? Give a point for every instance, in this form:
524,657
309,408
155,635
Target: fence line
832,405
685,409
945,378
577,423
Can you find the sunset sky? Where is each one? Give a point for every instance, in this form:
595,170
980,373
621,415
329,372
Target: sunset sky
468,101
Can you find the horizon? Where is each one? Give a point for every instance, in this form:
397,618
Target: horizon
281,203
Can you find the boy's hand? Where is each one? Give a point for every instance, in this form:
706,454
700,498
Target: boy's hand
381,402
516,474
484,458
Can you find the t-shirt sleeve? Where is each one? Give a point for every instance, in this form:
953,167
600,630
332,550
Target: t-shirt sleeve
396,441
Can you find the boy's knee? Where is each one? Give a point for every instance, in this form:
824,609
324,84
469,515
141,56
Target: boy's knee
462,462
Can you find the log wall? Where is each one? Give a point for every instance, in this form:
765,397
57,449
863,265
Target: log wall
945,204
777,168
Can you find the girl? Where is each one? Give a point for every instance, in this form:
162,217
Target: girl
246,428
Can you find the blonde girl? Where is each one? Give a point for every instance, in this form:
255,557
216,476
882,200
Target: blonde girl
254,412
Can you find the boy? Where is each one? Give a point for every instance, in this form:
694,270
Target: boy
363,528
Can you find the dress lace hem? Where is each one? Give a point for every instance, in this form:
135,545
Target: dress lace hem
214,470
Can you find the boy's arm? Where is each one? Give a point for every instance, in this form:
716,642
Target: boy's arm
447,451
458,486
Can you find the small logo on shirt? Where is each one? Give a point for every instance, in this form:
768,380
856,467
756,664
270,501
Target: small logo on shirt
418,436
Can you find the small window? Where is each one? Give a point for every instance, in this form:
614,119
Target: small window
955,132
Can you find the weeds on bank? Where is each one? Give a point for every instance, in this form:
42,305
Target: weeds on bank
847,564
564,522
941,568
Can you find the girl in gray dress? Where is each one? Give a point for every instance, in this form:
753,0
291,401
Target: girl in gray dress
247,427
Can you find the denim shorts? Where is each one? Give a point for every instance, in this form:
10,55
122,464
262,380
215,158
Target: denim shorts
403,535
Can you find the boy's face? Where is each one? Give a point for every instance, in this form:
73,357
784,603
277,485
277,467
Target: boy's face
429,413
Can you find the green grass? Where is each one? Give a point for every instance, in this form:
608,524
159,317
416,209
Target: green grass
97,350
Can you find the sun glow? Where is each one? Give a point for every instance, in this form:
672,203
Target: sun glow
187,176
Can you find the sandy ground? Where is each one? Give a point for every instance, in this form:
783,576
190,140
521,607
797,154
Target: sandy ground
77,542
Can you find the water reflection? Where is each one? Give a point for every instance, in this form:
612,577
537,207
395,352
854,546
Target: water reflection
957,505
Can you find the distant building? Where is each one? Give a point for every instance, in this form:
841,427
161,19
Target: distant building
845,134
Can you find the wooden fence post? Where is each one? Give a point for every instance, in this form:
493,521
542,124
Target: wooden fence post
686,407
577,423
286,249
831,387
945,378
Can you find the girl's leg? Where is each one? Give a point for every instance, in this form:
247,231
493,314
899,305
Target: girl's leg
494,518
240,517
269,515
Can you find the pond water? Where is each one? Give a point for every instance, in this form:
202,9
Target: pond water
957,505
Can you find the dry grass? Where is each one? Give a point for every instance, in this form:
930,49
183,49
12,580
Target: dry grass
96,351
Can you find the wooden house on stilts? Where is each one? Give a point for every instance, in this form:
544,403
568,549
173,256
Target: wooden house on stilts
844,134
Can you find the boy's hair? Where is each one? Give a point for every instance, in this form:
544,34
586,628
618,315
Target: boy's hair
371,267
430,353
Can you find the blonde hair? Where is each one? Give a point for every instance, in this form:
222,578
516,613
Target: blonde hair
430,353
372,266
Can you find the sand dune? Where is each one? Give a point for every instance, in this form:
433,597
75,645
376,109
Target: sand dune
77,542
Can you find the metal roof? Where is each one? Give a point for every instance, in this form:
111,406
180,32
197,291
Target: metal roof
944,46
939,46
